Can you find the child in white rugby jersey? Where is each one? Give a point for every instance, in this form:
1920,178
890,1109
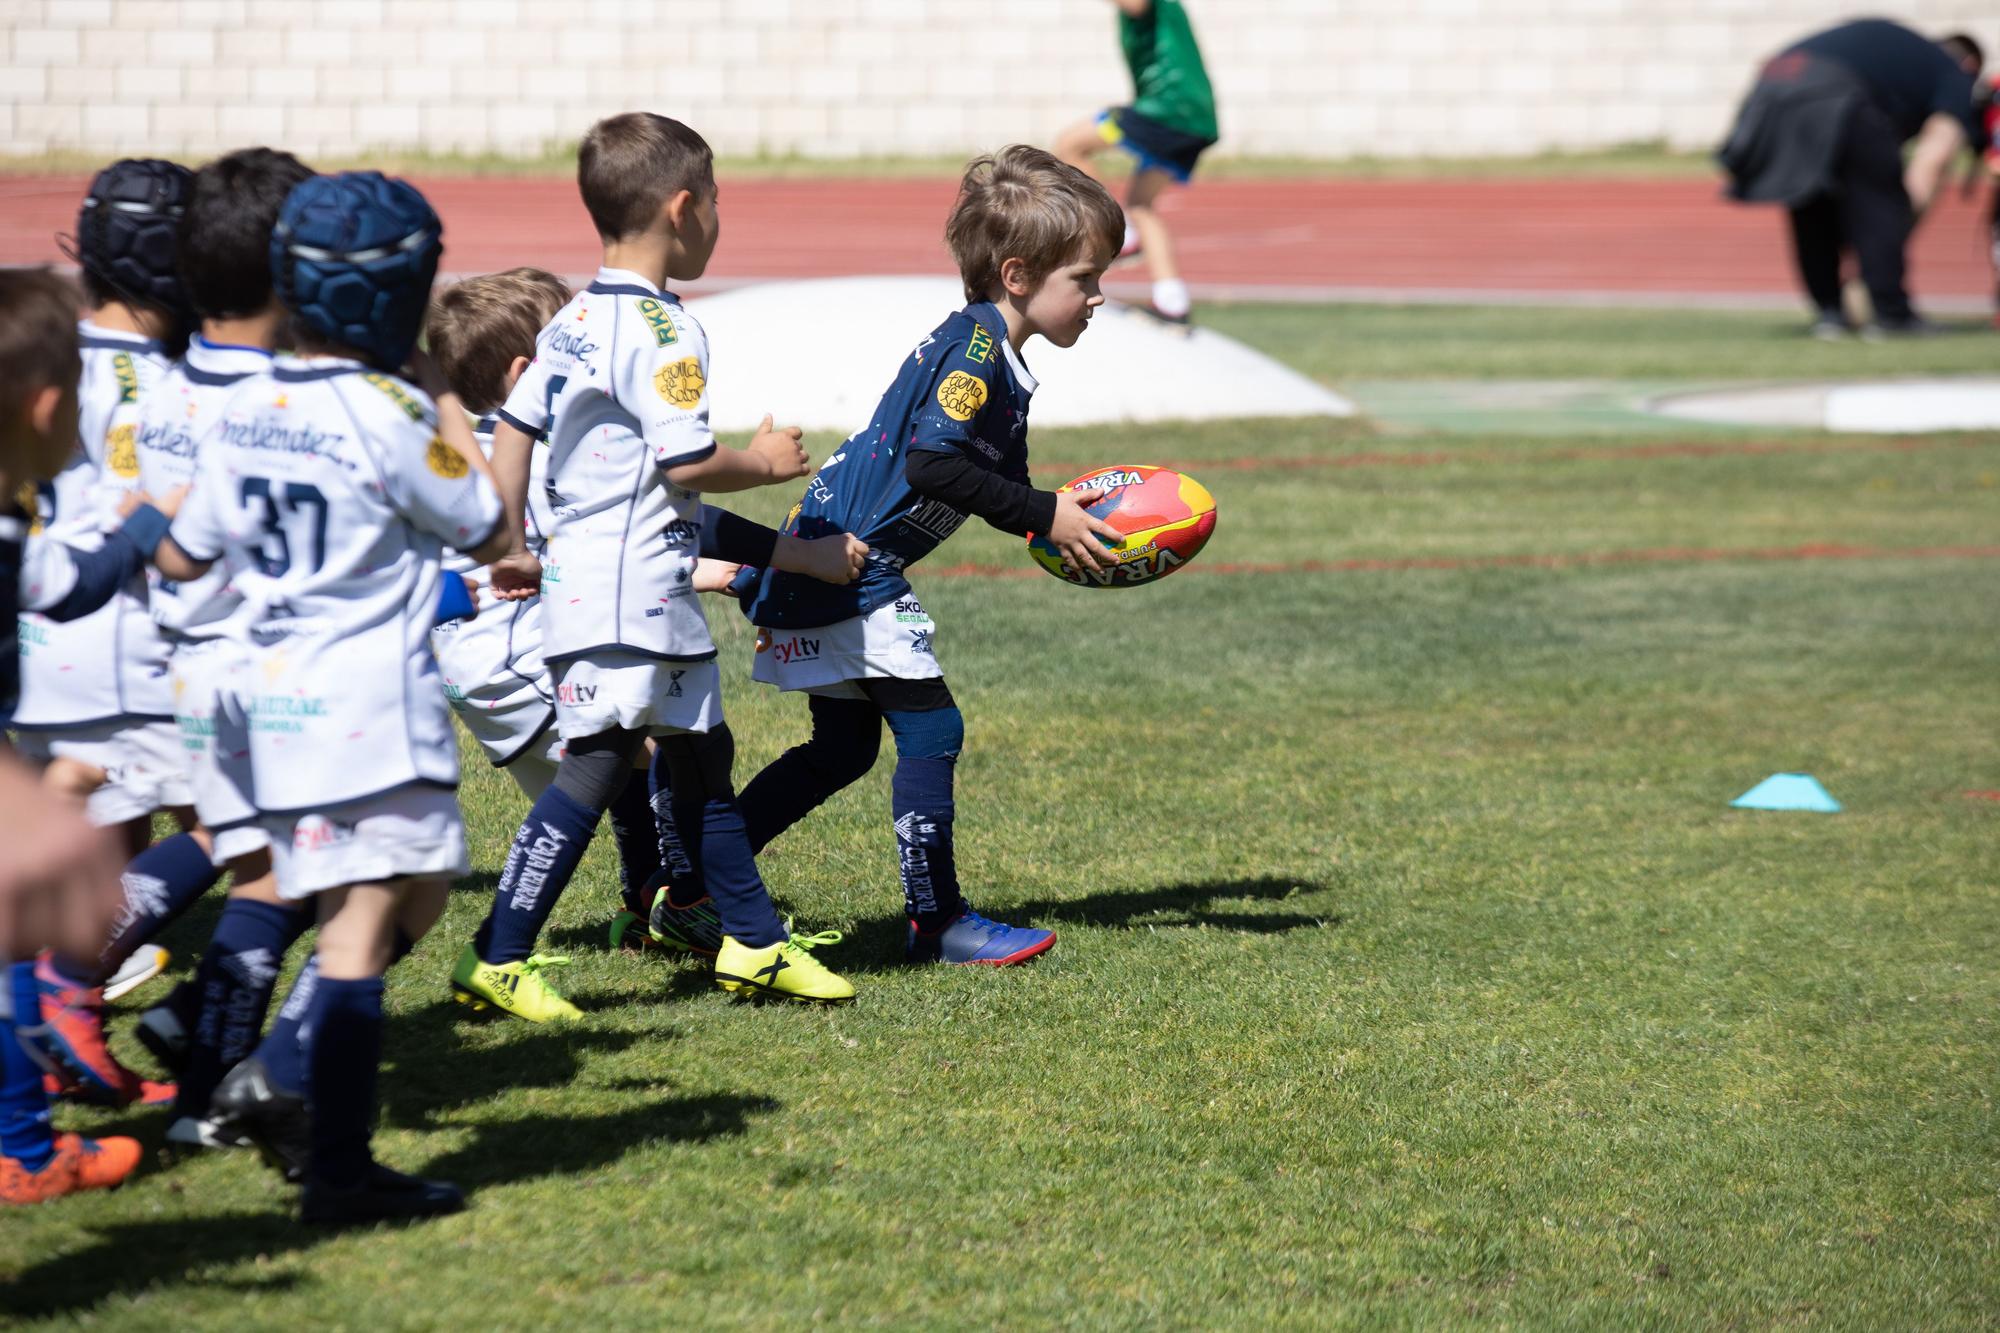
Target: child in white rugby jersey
223,252
96,709
619,383
330,491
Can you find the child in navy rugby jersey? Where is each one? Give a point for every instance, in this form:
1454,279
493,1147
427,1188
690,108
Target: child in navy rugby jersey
1032,237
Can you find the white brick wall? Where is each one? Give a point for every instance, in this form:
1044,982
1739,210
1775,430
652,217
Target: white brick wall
847,78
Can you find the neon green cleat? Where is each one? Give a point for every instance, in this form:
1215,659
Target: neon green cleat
516,989
628,932
786,970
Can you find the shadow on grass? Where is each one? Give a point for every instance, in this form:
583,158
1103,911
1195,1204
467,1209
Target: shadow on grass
436,1069
552,1145
875,945
129,1259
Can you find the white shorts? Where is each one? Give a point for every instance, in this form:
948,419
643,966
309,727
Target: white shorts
144,766
897,641
606,690
412,831
217,745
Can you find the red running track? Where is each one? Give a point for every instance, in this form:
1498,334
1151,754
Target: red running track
1650,240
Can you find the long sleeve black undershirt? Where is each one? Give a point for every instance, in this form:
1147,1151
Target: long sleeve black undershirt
955,479
731,537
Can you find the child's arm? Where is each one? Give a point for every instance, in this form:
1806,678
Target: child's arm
835,559
516,574
1012,506
773,456
64,583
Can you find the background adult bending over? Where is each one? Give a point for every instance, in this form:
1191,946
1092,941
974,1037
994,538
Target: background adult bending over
1822,133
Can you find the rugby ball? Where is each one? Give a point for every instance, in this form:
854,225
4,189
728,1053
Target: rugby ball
1166,517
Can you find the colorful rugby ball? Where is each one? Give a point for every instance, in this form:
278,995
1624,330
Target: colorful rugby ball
1166,517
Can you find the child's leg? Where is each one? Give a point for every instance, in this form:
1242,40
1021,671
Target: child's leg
551,842
846,736
343,1034
160,883
1170,294
756,954
37,1164
710,822
25,1135
640,841
343,1051
235,981
929,732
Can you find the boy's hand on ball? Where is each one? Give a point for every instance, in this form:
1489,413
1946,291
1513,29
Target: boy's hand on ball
781,451
1075,532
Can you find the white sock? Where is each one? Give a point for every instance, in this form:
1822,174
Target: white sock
1131,241
1170,297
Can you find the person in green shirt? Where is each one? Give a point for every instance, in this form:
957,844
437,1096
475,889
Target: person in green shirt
1169,124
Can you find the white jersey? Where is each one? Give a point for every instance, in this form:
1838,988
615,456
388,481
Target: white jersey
619,386
492,664
104,667
329,493
177,413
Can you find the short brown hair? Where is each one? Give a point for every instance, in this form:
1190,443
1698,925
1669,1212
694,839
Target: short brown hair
476,327
629,165
38,349
1023,203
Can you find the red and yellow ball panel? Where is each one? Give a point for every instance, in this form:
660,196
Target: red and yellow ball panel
1167,517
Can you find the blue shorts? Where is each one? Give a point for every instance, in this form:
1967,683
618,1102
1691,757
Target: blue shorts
1157,147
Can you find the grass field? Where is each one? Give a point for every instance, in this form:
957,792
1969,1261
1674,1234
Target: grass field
1414,970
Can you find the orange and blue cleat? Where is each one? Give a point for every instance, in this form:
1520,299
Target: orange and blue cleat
78,1164
972,938
71,1041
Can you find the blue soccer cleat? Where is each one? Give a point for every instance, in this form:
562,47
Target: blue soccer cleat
974,939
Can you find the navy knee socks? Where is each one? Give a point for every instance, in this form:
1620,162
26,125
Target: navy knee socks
546,852
343,1054
235,981
641,850
715,840
927,746
160,883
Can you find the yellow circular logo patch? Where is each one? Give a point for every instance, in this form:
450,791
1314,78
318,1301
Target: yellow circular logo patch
444,460
680,383
961,395
122,453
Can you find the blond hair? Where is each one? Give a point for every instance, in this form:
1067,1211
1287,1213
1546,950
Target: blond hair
1023,203
476,327
629,165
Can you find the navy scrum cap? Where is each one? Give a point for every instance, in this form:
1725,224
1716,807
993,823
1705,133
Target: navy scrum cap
353,256
125,232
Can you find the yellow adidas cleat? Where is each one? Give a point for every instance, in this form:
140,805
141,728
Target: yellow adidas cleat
516,989
786,970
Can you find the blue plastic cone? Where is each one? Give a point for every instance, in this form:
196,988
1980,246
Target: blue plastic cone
1788,791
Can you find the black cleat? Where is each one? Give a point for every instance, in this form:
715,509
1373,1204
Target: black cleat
381,1196
163,1029
273,1119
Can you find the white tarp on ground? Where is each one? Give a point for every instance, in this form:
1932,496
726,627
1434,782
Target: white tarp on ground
1893,407
819,354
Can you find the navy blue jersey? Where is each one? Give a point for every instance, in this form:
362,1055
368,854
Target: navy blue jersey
962,389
